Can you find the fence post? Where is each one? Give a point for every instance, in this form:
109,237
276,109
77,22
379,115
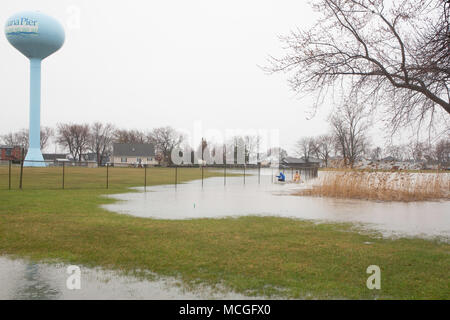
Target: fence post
145,177
64,166
202,175
176,175
9,175
259,172
244,173
107,176
21,169
224,174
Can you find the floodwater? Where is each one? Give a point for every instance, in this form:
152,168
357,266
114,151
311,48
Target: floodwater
215,199
23,280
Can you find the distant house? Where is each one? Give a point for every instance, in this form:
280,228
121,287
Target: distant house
13,153
299,163
134,154
389,159
54,156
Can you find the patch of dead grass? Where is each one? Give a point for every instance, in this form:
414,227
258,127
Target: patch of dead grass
383,186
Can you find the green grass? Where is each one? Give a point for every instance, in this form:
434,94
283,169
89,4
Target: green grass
252,255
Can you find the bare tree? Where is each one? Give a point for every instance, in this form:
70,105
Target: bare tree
100,140
420,151
165,140
252,144
129,136
46,134
305,147
398,152
350,124
442,151
387,53
376,154
20,138
74,137
235,147
323,147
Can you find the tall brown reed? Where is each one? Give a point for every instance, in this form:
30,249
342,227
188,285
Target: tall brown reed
383,186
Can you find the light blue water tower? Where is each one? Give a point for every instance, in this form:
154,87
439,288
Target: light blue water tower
36,36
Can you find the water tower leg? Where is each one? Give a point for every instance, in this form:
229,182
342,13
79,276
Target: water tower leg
34,150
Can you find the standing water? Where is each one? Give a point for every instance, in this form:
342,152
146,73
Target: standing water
217,200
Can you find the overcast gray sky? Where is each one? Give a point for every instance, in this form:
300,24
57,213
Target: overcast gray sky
141,64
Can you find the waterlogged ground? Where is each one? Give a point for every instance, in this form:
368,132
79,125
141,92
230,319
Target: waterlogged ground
24,280
217,199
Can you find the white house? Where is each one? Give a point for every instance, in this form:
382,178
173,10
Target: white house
134,154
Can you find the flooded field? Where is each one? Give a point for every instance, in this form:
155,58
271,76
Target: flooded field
216,199
23,280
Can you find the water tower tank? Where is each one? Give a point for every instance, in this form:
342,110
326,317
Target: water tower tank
36,36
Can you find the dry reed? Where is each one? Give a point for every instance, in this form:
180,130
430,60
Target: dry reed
383,186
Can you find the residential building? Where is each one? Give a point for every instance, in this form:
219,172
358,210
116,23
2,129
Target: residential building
134,154
13,153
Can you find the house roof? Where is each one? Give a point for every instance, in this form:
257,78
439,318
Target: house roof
54,156
293,160
133,150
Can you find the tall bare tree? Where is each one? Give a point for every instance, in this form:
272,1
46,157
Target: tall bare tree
74,137
165,140
100,140
350,124
376,154
399,152
387,53
305,147
20,138
323,146
442,151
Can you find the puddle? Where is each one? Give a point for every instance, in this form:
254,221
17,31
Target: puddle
20,279
216,200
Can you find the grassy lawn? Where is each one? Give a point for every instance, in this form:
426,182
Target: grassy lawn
253,255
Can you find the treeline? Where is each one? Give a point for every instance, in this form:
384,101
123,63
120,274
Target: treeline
98,138
348,139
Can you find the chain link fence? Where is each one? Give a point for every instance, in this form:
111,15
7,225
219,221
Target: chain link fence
86,175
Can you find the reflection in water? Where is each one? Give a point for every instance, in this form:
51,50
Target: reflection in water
34,285
216,200
21,279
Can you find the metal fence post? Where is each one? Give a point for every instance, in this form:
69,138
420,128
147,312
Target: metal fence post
145,177
21,169
64,166
202,175
176,175
244,173
9,175
259,172
225,175
107,176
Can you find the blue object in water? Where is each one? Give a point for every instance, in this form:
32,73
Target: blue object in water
36,36
281,177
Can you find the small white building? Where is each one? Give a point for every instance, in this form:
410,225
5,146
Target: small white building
134,154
